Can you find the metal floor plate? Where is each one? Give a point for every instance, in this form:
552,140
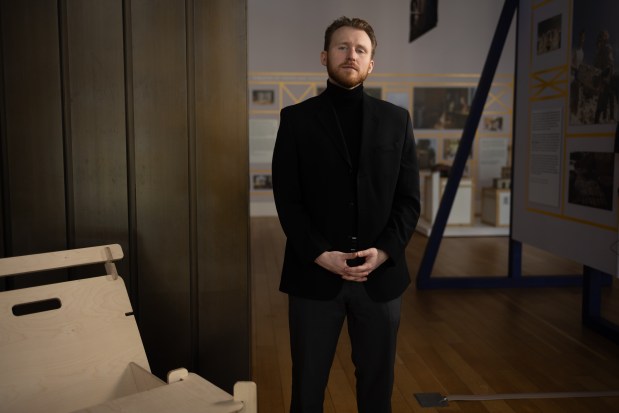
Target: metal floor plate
431,400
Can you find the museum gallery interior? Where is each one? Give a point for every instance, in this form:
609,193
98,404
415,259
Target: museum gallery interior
141,246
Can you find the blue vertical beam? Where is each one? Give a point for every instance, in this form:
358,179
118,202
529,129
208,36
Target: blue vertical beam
593,281
466,142
514,270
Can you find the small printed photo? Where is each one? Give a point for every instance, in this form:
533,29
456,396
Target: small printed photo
263,96
450,147
426,153
591,179
262,182
549,35
493,123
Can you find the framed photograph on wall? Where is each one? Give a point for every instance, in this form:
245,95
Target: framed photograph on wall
263,97
441,107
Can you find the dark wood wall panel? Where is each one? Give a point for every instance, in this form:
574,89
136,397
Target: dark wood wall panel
97,105
221,127
34,129
161,146
125,121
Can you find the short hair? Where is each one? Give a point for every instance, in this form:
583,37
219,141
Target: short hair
355,23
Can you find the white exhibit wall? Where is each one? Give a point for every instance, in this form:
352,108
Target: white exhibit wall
288,35
285,38
566,172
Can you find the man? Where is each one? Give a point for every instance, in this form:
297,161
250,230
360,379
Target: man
346,187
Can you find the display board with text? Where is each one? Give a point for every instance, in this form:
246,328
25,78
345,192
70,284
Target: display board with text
567,89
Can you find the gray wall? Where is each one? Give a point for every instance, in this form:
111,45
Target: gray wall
126,122
287,35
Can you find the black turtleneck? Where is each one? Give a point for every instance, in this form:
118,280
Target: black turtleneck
348,105
349,110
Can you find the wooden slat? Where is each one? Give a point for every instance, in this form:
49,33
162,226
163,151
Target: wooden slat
454,341
192,395
71,357
162,180
34,130
221,184
98,139
59,259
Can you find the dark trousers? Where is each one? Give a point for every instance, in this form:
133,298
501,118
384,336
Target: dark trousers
314,331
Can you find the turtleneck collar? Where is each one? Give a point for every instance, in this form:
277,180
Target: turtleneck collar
338,93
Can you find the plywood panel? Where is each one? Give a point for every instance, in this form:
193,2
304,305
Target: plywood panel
162,180
98,137
34,140
222,184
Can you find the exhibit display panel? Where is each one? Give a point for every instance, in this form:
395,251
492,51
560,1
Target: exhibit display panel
566,111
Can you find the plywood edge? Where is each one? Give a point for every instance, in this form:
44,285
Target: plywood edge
60,259
144,379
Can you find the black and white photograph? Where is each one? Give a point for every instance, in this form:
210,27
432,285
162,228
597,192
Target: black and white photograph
549,35
262,182
594,80
493,123
263,97
591,179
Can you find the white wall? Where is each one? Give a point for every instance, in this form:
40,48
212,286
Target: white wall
285,38
287,35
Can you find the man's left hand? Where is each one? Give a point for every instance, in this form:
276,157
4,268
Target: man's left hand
373,259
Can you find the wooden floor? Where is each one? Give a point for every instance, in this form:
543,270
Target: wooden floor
454,342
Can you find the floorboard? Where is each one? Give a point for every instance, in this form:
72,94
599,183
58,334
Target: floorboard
454,342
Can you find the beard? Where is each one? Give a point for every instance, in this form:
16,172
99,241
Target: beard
345,77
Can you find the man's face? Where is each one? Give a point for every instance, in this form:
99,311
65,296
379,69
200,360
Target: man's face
349,58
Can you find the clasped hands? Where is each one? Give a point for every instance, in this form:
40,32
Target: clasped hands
335,261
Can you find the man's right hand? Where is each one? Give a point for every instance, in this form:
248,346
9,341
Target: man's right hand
335,262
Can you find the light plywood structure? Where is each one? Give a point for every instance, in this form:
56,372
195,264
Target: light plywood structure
75,346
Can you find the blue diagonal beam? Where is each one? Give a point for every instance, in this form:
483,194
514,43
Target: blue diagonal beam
466,142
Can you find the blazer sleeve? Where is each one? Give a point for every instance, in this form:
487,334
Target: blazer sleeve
296,223
406,205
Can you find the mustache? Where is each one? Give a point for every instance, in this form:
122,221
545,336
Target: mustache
350,65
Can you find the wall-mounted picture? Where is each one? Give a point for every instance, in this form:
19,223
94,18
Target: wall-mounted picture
493,123
549,35
591,179
423,17
594,77
450,147
263,96
262,182
426,153
441,107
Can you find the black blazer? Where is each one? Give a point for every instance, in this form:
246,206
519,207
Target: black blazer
314,194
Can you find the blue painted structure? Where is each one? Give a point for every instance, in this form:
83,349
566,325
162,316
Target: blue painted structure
592,280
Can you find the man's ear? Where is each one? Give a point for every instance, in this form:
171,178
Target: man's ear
323,57
371,67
